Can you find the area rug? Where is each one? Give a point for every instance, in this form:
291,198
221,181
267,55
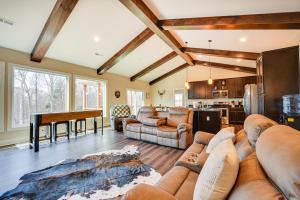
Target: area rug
102,175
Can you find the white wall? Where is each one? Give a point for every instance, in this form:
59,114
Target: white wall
195,73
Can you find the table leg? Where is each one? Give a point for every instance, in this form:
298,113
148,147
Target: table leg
95,125
31,136
102,122
36,137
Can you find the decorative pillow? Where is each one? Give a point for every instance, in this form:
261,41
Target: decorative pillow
242,145
223,134
218,174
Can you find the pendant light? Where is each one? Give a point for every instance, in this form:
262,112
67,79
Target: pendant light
186,83
210,81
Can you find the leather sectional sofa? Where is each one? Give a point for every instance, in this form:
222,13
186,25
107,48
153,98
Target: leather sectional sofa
268,169
172,128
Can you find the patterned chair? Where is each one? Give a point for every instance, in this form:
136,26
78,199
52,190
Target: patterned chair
117,113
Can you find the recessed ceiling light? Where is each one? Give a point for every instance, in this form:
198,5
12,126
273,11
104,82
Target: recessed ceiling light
238,60
243,39
96,38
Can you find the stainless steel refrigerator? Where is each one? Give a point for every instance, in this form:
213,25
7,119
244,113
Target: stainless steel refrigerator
250,99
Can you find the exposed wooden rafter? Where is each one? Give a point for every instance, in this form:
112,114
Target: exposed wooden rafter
55,22
223,53
288,20
181,67
153,66
227,66
132,45
140,10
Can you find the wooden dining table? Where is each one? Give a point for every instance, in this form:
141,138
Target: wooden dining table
39,119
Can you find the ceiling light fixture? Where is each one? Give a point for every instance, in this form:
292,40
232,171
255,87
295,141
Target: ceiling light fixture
96,38
243,39
186,83
210,81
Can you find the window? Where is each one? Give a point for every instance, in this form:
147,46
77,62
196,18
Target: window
179,97
90,94
2,78
135,100
37,92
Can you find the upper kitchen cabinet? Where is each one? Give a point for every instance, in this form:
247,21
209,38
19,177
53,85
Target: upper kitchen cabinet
235,87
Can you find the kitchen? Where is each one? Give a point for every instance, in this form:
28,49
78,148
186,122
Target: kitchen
222,102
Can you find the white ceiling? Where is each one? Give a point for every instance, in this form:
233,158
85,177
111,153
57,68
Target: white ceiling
170,9
116,26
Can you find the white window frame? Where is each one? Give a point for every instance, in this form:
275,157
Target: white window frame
39,70
96,80
136,90
2,88
183,98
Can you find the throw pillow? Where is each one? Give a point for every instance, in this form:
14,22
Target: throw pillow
223,134
218,174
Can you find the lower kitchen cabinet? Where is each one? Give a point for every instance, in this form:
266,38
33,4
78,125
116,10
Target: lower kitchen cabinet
236,116
207,121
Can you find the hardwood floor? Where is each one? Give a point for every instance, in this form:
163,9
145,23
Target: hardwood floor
17,162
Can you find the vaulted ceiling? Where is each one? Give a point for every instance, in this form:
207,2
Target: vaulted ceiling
98,30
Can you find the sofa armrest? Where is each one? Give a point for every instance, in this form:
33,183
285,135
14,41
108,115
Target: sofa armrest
154,121
147,192
202,137
184,127
130,121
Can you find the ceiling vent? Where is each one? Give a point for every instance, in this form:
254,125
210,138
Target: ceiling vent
6,21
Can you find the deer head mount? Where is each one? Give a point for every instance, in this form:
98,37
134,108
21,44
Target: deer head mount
161,93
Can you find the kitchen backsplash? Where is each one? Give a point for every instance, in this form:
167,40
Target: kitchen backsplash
214,101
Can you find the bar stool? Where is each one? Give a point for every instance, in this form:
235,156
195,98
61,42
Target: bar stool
76,126
67,133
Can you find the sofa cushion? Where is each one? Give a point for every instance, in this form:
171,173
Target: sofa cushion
134,127
223,134
278,151
144,112
254,125
252,182
167,132
186,190
173,179
177,115
149,130
242,145
219,173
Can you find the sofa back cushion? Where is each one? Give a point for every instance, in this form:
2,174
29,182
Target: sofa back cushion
218,174
255,124
145,111
278,151
242,145
252,183
177,115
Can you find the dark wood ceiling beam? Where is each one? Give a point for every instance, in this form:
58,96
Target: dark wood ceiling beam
141,11
132,45
181,67
288,20
223,53
55,22
153,66
227,66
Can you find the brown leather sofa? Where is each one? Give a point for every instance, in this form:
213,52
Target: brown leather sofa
269,166
172,128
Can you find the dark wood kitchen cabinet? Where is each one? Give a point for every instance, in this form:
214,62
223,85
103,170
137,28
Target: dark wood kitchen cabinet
236,115
278,75
207,120
235,87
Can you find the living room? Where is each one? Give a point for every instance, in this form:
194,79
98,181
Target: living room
149,99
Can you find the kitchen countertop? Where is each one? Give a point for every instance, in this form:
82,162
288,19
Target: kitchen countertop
207,109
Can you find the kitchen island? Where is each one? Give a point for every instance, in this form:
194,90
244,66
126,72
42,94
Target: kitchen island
207,119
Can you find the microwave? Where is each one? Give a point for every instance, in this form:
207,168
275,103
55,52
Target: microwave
217,94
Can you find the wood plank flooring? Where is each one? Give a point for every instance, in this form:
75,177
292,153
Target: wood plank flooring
17,162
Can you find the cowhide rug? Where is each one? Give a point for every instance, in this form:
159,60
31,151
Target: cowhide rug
97,176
